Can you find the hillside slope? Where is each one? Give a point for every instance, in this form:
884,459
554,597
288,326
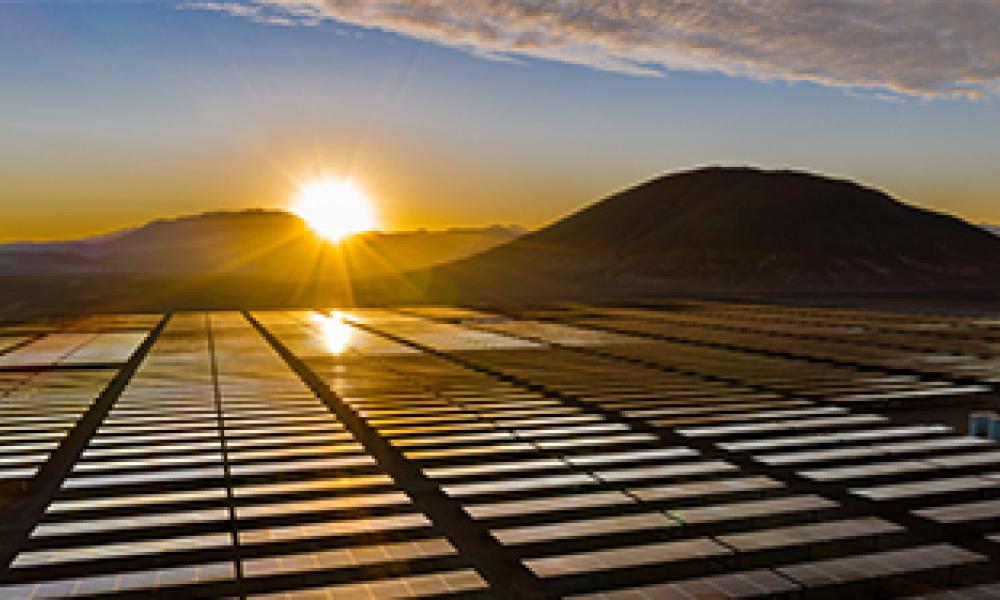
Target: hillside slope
735,230
250,259
269,244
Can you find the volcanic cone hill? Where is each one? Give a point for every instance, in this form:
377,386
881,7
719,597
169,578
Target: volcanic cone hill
723,229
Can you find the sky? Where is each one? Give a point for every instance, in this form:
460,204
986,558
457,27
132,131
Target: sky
474,112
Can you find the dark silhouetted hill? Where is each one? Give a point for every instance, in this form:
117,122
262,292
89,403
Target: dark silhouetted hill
272,244
734,230
713,231
221,260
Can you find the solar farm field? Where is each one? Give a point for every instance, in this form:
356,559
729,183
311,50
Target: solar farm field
685,450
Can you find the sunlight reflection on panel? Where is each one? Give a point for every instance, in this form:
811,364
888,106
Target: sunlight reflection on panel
337,335
436,335
327,333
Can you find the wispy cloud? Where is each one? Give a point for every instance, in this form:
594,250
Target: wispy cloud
919,48
277,13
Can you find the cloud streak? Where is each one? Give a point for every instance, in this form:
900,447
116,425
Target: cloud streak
903,48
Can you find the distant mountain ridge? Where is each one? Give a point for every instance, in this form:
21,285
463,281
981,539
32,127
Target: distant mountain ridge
263,243
721,231
734,229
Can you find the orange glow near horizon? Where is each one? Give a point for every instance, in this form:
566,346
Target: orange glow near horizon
334,209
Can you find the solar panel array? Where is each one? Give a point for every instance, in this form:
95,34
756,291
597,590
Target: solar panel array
689,450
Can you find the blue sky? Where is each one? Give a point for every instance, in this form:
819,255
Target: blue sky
113,113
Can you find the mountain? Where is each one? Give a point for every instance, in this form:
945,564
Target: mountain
270,244
226,260
713,231
994,229
733,230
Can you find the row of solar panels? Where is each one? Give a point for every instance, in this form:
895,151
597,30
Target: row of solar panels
952,348
544,366
220,472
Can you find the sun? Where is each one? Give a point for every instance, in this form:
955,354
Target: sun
334,209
